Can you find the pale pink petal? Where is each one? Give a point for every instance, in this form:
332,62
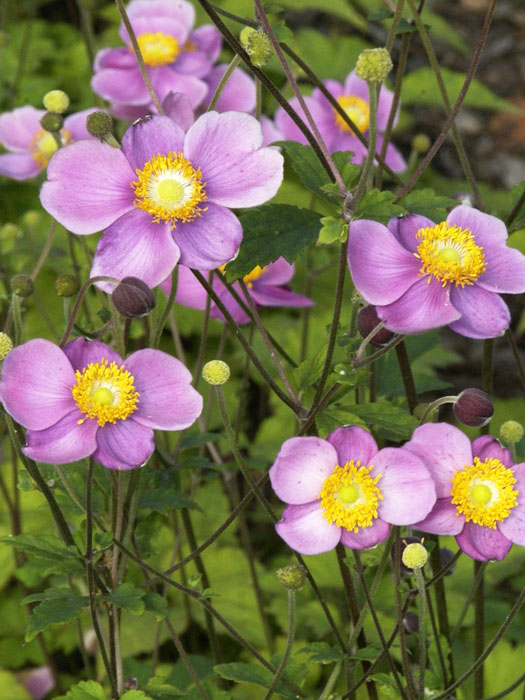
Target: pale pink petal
195,63
485,228
443,519
513,527
75,124
68,440
487,446
124,445
301,467
505,273
178,108
238,94
366,537
166,80
277,273
120,85
156,135
114,58
208,39
393,157
305,530
180,10
172,26
18,127
483,543
353,443
19,166
81,352
267,295
483,314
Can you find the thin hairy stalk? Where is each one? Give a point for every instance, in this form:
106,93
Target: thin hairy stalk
393,27
45,251
222,82
515,209
401,612
422,636
407,376
288,648
293,84
332,680
86,27
244,386
441,598
436,404
185,659
249,351
167,307
75,496
204,337
78,302
138,55
357,364
479,626
515,352
367,339
435,632
130,508
468,602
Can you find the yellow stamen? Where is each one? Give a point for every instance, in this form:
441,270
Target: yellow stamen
357,109
43,145
450,254
170,189
349,497
250,278
483,492
105,392
189,46
158,49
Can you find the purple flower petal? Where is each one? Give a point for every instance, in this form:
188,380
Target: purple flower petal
65,441
301,467
277,273
393,157
505,273
75,124
178,108
483,543
190,291
81,352
366,537
120,85
229,301
18,127
444,449
238,94
210,240
172,26
208,39
195,63
36,384
353,443
167,400
165,80
180,10
485,228
236,171
19,166
267,295
406,485
443,519
304,529
88,186
487,446
424,306
114,58
149,137
483,314
269,131
382,270
405,227
513,527
136,246
124,445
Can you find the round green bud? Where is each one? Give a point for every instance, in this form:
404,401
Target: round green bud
99,124
373,65
22,285
421,143
257,45
511,431
292,577
56,101
66,285
6,345
414,556
32,218
9,231
216,372
51,121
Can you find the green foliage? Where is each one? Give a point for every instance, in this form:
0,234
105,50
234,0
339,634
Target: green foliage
11,689
252,674
271,231
163,499
310,370
57,605
333,230
86,690
331,57
378,206
387,419
427,203
127,597
322,653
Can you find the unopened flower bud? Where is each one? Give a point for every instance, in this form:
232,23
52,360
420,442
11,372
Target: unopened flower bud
9,231
373,65
216,372
32,218
511,431
6,345
66,285
367,320
131,684
257,45
51,121
421,143
414,556
99,124
411,623
22,285
56,101
133,298
292,577
473,407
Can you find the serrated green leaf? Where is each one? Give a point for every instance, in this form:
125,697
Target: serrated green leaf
427,203
334,417
250,673
272,231
45,546
136,695
378,206
86,690
322,653
59,607
333,230
160,690
390,421
162,499
420,87
310,370
385,679
128,597
157,605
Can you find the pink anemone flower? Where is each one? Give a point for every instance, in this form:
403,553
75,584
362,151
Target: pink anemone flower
352,96
421,275
177,58
343,489
480,492
86,401
30,146
165,195
267,286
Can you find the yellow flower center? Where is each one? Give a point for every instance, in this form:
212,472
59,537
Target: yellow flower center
349,497
357,109
189,46
105,392
43,145
170,189
158,49
250,278
484,492
450,254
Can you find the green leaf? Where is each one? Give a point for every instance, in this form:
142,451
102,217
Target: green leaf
250,673
378,206
11,688
45,546
420,87
322,653
135,695
58,605
390,421
128,597
271,231
86,690
160,690
340,8
334,417
330,56
333,230
156,604
427,203
310,370
281,31
385,679
383,13
199,439
309,170
162,499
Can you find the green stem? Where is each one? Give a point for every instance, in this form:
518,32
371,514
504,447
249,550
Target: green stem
185,659
78,302
436,404
406,376
421,602
400,610
45,251
479,626
289,645
441,598
168,306
222,82
16,306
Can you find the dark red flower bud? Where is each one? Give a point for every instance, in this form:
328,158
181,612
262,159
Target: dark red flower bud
474,407
411,623
133,298
131,684
445,555
367,320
